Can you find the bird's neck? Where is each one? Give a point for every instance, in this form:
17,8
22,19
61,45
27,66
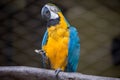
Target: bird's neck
63,23
58,23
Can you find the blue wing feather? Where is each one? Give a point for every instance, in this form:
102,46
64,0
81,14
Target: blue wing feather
45,37
74,50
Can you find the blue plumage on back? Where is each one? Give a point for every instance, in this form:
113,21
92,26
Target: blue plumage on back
74,50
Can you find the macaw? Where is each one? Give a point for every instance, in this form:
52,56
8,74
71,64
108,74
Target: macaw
61,43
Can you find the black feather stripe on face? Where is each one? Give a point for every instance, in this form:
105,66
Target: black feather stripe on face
53,22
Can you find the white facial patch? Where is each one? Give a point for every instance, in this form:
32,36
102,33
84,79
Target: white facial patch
53,14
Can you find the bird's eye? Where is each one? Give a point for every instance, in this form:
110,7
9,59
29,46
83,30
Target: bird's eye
53,9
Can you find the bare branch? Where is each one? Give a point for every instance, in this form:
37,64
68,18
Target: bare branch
31,73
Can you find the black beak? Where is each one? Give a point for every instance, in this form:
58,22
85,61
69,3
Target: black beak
45,13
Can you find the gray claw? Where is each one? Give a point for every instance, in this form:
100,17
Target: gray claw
40,51
57,71
43,54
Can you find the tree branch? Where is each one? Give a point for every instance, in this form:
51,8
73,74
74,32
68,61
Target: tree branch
31,73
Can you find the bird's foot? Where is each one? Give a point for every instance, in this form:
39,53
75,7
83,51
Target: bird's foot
57,71
44,57
40,51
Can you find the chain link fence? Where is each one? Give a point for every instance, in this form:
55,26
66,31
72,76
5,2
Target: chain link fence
21,32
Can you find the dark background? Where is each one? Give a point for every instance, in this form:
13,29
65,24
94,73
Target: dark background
97,21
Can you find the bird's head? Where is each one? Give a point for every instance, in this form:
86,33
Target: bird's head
50,11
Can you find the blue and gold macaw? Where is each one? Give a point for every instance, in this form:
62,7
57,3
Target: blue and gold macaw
61,43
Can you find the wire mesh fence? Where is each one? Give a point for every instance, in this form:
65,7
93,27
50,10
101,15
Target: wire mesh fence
22,29
21,32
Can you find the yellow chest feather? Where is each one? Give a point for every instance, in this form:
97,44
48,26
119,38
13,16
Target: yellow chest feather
56,47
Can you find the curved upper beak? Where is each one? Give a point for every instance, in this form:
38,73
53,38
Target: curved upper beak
45,13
